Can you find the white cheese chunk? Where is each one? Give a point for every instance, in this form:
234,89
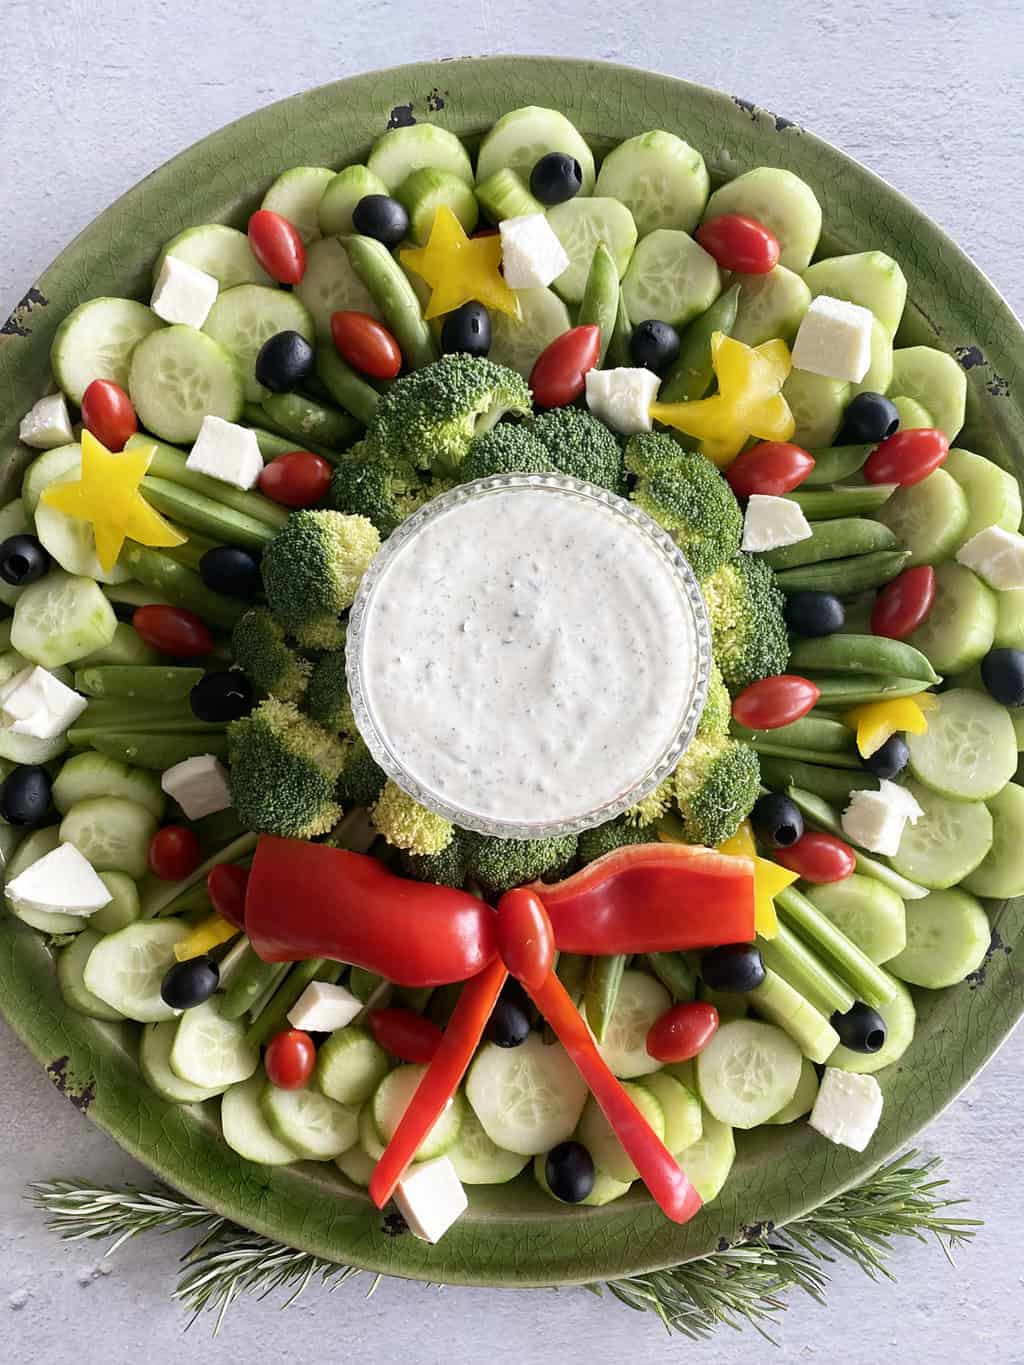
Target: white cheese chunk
60,883
622,398
36,703
900,800
995,555
834,339
531,254
430,1198
770,522
47,423
323,1007
183,293
224,450
875,819
847,1108
199,785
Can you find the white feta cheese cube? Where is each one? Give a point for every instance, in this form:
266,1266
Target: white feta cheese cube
323,1007
60,883
199,785
224,450
875,819
36,703
430,1198
770,522
183,293
622,398
847,1109
47,423
995,555
531,254
834,339
900,799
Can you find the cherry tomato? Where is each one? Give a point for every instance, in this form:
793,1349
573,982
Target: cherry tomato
108,413
296,479
366,344
277,246
526,941
772,702
739,243
683,1031
907,457
174,631
905,603
174,853
773,467
226,885
559,374
818,858
405,1034
289,1059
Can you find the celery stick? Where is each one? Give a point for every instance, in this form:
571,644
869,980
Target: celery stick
157,898
274,1016
791,959
779,1003
868,982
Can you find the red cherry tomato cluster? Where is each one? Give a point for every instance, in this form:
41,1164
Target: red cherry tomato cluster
907,457
289,1059
277,246
173,631
226,886
366,344
296,479
108,413
905,603
773,702
772,468
682,1032
818,858
559,374
174,853
739,243
405,1034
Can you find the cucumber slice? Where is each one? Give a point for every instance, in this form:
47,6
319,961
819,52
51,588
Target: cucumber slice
155,1044
96,341
747,1072
993,495
878,378
400,151
517,342
394,1095
900,1021
948,936
708,1162
241,320
61,618
968,751
528,1098
85,776
870,914
948,842
125,969
803,1097
817,404
369,1138
784,203
928,517
114,834
423,192
71,541
46,470
15,520
350,1066
314,1126
478,1160
934,380
211,1051
36,845
220,251
912,415
342,194
680,1110
122,909
179,376
870,278
506,195
640,1001
670,277
778,1002
331,285
771,305
661,179
70,978
519,139
962,624
356,1166
245,1129
601,1141
605,1190
580,225
1001,873
296,195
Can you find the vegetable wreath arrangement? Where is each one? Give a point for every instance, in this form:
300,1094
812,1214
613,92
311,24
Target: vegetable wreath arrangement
528,695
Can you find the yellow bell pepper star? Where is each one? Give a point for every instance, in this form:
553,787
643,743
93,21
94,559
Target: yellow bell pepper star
769,879
877,721
107,495
208,934
749,400
460,269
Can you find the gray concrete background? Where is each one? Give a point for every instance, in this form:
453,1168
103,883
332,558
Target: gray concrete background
95,95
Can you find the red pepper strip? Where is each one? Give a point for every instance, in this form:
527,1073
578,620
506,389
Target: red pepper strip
652,898
308,900
442,1078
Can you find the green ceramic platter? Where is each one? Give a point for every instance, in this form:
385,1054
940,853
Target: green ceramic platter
512,1235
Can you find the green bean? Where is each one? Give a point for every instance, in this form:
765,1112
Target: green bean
784,1006
820,733
602,991
794,962
159,895
141,750
181,586
306,420
822,504
600,302
346,387
200,513
274,1016
676,972
249,983
394,296
837,691
845,577
836,463
618,347
862,654
170,463
137,680
571,969
833,784
818,812
691,375
839,539
868,982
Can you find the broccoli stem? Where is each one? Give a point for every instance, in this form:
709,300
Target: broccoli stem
868,982
602,991
274,1016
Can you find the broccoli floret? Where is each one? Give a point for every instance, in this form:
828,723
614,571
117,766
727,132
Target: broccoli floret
687,496
361,780
507,449
714,719
312,568
606,838
748,629
327,699
716,785
408,825
653,806
284,768
500,864
363,485
429,418
447,868
581,446
259,646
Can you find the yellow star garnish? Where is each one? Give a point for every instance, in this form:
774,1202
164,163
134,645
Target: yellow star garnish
107,495
769,879
749,400
207,935
460,269
877,721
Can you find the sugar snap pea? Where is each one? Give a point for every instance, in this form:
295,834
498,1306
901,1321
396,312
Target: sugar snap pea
676,972
602,991
272,443
618,347
600,303
841,538
571,969
140,749
250,981
394,296
842,500
845,577
170,463
690,377
817,811
304,420
836,463
810,732
179,585
837,691
202,514
862,654
346,387
134,681
274,1016
832,784
766,745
